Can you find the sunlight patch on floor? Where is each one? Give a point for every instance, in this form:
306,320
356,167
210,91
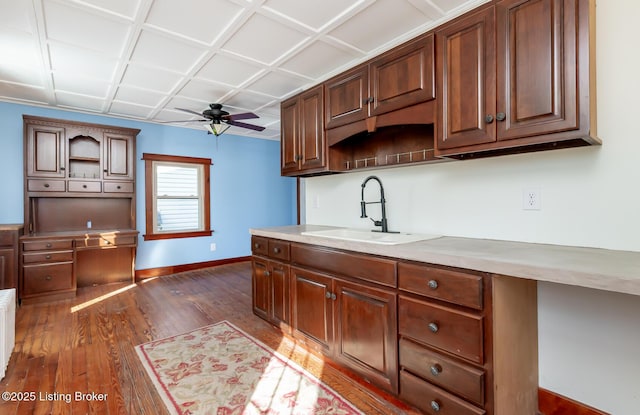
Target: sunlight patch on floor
101,298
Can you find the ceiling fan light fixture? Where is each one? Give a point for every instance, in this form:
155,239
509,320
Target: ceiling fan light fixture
216,128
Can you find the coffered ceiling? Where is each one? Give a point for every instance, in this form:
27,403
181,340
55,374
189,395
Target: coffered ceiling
142,59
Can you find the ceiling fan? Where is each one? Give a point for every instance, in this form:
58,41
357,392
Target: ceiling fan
219,120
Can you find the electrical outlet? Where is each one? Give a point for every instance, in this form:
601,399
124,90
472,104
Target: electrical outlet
212,247
532,199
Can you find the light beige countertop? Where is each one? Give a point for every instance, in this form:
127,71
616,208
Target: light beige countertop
600,269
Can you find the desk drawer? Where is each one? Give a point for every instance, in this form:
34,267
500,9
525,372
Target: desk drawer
84,186
45,185
118,187
433,400
279,249
50,256
105,241
259,245
447,285
451,330
47,245
451,375
46,278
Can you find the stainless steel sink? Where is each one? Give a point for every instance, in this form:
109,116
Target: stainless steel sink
358,235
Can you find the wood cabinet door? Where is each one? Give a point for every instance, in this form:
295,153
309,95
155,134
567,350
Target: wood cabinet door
45,151
465,77
347,97
7,269
367,333
312,308
280,298
118,156
260,286
403,77
537,67
289,136
312,140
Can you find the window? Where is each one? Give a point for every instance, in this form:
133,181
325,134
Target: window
176,196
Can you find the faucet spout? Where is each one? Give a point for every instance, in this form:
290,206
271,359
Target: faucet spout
363,204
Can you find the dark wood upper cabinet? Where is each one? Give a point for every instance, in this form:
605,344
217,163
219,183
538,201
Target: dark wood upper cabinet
118,157
303,144
517,76
399,78
45,151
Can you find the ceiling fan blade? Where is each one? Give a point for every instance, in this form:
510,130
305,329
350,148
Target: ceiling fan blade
242,116
199,114
245,125
170,122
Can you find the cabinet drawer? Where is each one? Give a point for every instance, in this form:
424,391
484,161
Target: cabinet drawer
279,249
45,185
7,238
118,187
46,278
446,285
368,268
451,375
259,245
431,399
51,256
47,245
84,186
105,241
454,331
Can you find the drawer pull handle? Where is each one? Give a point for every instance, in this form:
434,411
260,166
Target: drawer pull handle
118,187
84,186
46,185
276,250
48,278
435,406
49,245
436,369
256,245
327,295
433,284
433,327
47,257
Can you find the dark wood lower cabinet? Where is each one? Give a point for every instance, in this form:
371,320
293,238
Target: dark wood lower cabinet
445,340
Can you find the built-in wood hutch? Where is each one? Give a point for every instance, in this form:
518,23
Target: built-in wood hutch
79,207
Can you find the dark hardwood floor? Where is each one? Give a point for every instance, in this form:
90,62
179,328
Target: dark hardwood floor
86,345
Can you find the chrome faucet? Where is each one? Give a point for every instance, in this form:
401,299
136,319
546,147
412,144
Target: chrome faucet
363,206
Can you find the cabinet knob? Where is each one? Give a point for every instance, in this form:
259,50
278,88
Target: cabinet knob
368,100
333,296
327,295
488,118
256,245
433,327
49,245
433,284
84,186
62,168
267,273
276,250
46,185
501,116
118,187
47,257
435,406
435,369
48,278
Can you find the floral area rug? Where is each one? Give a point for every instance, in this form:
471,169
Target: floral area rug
221,370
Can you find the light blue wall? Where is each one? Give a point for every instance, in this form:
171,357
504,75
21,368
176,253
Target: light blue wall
246,188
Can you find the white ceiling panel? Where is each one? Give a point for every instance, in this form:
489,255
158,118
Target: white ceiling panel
23,93
393,18
151,78
141,59
277,84
81,85
263,39
318,59
89,30
165,52
204,26
75,101
124,8
315,14
228,70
